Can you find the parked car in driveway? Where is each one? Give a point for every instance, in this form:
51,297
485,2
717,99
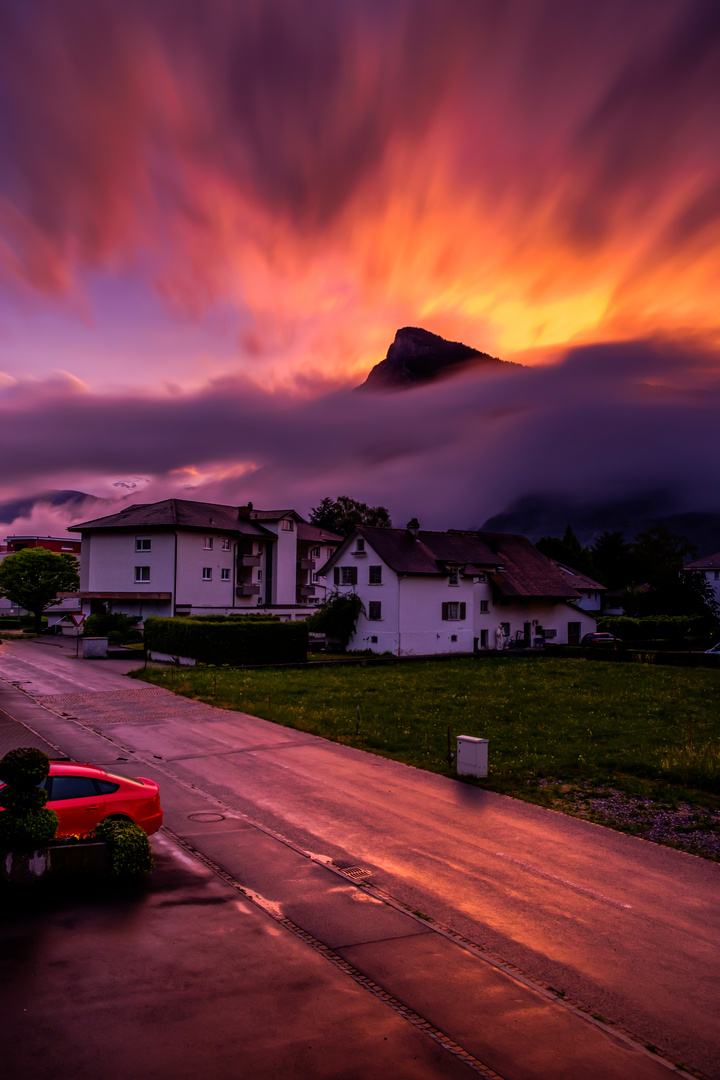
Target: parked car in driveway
599,637
83,796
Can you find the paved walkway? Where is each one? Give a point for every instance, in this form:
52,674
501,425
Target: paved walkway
485,1018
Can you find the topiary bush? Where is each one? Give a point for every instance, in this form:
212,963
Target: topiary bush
129,848
24,822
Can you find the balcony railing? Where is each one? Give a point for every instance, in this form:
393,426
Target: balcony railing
306,590
306,564
247,590
249,560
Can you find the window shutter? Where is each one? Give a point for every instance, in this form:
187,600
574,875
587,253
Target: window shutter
462,611
336,575
353,575
445,611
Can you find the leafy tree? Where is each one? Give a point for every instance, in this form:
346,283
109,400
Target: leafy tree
613,560
343,514
337,617
568,551
657,552
32,579
674,592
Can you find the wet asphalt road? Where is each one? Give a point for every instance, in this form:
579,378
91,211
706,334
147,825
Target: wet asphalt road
628,929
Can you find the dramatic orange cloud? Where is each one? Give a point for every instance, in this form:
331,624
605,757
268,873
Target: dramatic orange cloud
520,176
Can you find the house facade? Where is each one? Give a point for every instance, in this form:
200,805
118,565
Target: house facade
592,593
179,557
709,566
433,592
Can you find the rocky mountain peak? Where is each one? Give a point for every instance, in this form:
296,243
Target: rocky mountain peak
416,356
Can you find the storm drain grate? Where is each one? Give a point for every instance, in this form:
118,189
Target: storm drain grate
355,872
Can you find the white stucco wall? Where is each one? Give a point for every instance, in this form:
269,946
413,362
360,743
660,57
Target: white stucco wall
411,620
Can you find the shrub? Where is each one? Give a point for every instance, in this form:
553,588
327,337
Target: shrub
666,627
115,626
337,617
129,848
236,642
24,822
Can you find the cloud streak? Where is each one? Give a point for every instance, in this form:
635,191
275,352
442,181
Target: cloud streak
519,175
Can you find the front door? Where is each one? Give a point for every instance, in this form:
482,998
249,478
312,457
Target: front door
527,630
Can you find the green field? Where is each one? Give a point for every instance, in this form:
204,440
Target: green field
548,720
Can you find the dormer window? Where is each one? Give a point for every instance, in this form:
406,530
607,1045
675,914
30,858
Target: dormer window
288,525
360,545
454,578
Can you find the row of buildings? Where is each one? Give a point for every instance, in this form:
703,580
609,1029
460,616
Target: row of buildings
422,592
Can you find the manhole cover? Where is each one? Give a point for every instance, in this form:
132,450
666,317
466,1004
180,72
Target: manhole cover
206,817
355,871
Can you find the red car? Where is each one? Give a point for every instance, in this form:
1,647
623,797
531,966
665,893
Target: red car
83,796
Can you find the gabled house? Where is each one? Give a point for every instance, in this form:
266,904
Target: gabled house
178,557
440,592
592,593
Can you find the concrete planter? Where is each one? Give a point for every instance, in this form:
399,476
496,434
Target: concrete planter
55,863
94,648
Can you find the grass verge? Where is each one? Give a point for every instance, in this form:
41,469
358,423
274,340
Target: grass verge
624,745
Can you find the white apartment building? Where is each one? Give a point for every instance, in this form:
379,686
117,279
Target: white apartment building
179,557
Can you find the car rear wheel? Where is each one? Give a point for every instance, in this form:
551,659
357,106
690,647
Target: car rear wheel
119,817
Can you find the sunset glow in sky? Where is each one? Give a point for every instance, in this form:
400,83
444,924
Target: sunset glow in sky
233,205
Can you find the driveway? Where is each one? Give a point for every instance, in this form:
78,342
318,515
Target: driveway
621,927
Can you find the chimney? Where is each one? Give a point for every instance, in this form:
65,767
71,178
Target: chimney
413,527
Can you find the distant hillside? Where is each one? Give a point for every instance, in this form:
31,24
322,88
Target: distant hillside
72,501
548,515
416,356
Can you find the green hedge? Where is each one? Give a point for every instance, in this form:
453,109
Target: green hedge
234,642
664,627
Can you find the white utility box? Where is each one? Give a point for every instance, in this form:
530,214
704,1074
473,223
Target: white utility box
472,756
94,648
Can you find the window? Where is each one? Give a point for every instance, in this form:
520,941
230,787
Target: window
453,612
717,575
482,577
226,544
360,545
207,573
373,639
288,525
225,574
345,575
375,575
315,578
106,787
453,637
454,577
259,575
142,573
207,543
374,610
72,787
142,543
315,553
483,605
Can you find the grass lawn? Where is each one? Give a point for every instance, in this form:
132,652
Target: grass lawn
564,733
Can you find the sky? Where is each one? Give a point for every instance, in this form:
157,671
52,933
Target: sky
215,215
